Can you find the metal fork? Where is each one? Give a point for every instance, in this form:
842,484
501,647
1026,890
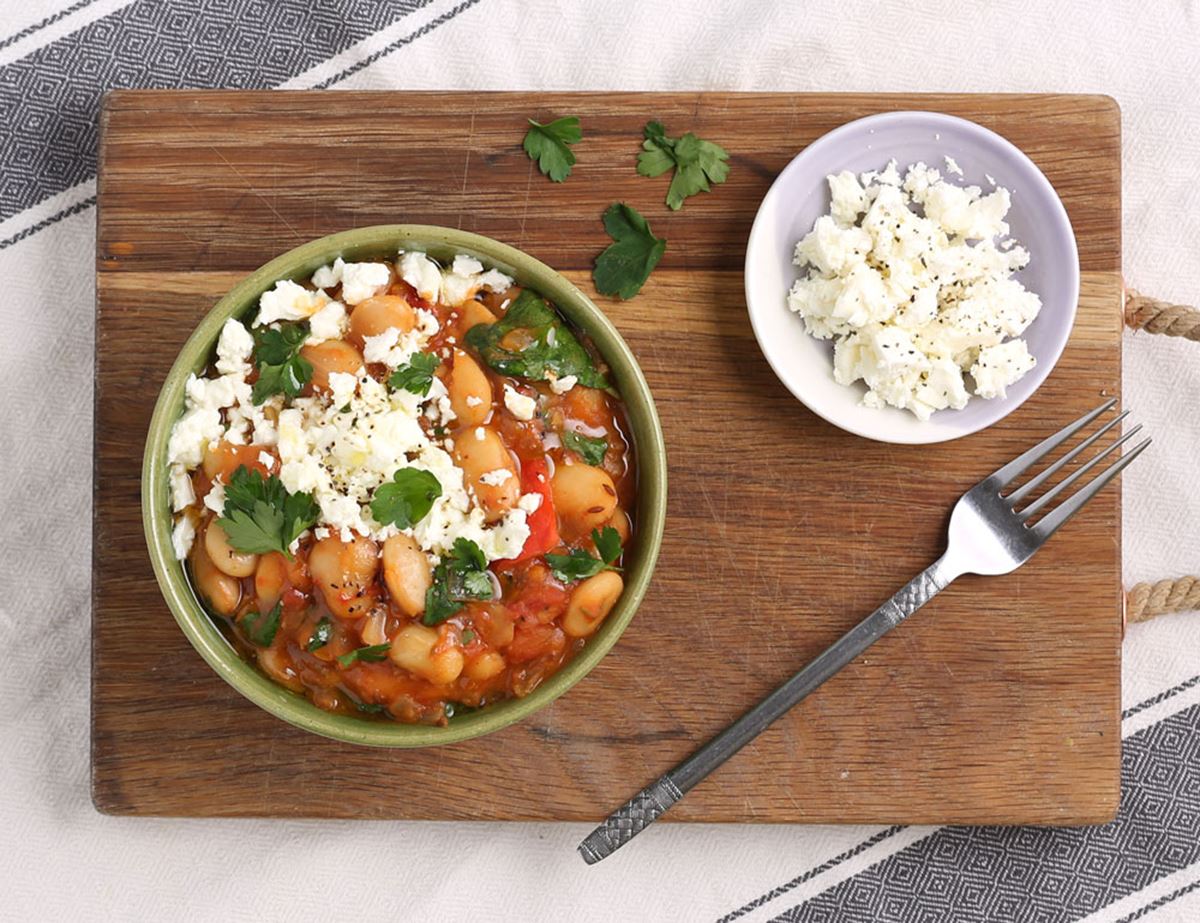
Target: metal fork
988,535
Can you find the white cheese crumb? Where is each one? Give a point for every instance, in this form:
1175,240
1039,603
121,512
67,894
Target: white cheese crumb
215,498
913,301
183,494
520,406
474,400
362,280
989,178
234,348
466,265
495,477
288,301
421,273
329,323
952,166
182,537
564,384
321,533
530,503
267,460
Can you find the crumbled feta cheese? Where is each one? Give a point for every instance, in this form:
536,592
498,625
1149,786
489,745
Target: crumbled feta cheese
191,435
952,166
564,384
182,537
456,289
520,406
530,503
329,323
421,273
999,366
495,477
394,348
215,498
183,494
362,280
234,348
267,460
466,265
474,400
915,300
288,301
495,281
321,533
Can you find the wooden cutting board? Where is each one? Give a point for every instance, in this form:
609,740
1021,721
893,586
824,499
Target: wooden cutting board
999,703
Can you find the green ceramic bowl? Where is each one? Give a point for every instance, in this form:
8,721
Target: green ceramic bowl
374,243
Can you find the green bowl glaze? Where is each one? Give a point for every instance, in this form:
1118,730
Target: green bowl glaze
441,244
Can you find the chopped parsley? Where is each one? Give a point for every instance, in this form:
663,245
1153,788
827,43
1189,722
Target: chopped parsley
579,564
281,368
549,145
696,162
321,634
552,349
416,376
590,448
407,498
461,575
468,636
371,654
623,268
260,627
261,515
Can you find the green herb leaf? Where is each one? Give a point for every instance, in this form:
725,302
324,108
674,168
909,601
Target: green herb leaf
416,376
370,708
548,145
281,368
697,162
261,627
370,654
407,498
624,267
461,575
261,515
551,348
579,564
321,634
468,636
590,448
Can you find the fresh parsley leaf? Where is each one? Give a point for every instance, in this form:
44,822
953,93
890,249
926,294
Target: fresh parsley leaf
462,574
468,636
416,376
579,564
590,448
608,543
371,654
624,267
261,515
260,627
281,368
321,634
697,162
551,347
548,145
407,498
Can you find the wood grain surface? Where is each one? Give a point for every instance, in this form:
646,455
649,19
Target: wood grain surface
998,703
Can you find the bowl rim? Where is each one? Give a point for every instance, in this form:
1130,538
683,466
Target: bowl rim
201,629
920,435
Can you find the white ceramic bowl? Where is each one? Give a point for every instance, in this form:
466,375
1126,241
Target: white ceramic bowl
800,195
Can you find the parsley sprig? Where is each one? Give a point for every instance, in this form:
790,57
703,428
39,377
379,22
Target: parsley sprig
371,654
261,515
281,368
461,575
407,498
416,376
696,162
624,267
590,448
579,564
320,635
549,145
260,627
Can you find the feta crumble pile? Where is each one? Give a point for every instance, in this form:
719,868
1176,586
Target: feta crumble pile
342,444
915,299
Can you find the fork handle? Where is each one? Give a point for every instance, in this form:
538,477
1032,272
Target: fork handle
651,802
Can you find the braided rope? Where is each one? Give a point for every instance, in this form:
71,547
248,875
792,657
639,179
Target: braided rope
1154,316
1146,600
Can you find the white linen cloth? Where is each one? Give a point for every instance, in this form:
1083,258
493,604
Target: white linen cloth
62,860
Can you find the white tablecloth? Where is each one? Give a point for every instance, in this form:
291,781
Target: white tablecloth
62,860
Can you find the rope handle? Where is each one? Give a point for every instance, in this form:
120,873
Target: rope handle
1147,600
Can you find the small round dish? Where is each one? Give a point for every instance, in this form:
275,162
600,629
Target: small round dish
800,195
375,243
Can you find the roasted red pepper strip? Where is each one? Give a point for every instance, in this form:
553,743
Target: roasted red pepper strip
542,522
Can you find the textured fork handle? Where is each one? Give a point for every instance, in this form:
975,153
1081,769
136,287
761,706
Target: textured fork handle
647,805
623,824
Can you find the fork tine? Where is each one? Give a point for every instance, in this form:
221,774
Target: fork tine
1073,504
1010,471
1075,475
1026,489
